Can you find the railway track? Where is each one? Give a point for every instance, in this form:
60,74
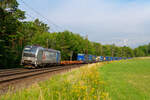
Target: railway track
21,71
13,78
9,70
25,74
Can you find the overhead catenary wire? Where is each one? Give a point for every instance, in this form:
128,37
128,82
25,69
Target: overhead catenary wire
33,18
53,30
59,28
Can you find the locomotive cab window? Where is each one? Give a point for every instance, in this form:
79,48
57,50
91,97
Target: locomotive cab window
29,52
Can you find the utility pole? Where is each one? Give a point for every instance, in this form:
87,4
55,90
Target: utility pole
71,54
112,51
86,51
47,43
13,43
147,50
101,50
125,45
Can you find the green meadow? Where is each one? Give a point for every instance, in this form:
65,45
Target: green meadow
127,79
117,80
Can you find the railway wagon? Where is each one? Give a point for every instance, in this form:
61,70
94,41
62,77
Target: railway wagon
97,58
120,58
86,58
124,58
101,58
94,58
111,58
39,56
129,58
81,57
107,58
115,58
90,58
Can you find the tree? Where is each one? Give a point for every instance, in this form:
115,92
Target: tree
8,4
9,19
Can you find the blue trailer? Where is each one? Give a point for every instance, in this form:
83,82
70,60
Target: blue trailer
94,58
81,57
90,58
120,58
101,58
106,58
116,58
124,58
111,58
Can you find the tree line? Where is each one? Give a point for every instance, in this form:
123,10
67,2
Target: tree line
15,33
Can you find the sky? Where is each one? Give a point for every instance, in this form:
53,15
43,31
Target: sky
120,22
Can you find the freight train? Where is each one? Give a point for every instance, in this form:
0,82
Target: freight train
38,56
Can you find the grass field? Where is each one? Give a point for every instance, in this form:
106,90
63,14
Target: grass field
128,79
117,80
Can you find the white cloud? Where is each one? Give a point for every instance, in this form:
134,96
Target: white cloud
105,21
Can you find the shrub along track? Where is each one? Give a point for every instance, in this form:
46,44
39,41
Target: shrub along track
19,78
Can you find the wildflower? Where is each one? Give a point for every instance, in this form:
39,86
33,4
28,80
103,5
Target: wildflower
92,90
95,97
102,97
105,94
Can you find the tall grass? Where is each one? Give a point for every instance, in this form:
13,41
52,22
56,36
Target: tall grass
81,84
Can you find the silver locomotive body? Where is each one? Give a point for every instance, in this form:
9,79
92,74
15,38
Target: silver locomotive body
39,56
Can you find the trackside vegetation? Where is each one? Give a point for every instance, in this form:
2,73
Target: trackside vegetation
80,84
127,79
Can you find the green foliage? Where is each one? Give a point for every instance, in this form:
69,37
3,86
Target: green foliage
12,4
9,37
142,50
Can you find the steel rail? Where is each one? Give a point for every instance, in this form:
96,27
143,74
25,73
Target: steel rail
23,72
35,74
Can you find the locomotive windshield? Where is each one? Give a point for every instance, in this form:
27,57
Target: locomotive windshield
30,51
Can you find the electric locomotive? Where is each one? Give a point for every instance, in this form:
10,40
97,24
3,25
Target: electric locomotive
37,56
